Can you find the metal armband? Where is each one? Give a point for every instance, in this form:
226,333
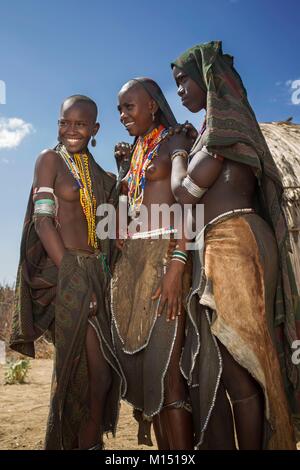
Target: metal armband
192,188
44,207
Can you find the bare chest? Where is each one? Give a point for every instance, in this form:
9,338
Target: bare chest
66,187
160,167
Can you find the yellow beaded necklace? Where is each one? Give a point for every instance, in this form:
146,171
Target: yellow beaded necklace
79,168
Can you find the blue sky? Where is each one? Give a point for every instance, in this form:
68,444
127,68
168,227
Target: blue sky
49,50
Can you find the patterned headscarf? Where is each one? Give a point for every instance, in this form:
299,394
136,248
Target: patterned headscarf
165,113
231,126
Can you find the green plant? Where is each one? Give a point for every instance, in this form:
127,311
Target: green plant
17,372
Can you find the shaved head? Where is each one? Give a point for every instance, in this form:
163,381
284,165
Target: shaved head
83,101
132,85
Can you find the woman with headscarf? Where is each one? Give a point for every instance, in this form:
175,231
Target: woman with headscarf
148,318
242,309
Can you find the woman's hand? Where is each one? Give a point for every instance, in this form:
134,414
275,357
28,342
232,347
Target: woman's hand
122,153
170,291
182,136
187,128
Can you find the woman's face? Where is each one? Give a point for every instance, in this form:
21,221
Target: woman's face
136,108
192,96
76,126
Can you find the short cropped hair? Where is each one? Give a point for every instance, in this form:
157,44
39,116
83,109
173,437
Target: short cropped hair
83,99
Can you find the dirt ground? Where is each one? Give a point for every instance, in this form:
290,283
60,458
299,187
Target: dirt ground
24,409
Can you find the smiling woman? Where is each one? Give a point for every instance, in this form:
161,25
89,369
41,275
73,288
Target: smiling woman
62,280
74,131
151,277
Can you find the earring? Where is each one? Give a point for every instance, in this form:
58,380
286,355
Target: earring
93,142
153,116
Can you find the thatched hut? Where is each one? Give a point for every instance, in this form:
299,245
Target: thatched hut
283,139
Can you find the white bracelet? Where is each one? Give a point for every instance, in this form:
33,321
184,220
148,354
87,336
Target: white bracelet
180,260
192,188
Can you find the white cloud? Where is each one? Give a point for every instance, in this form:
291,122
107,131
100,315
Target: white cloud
278,83
13,131
288,82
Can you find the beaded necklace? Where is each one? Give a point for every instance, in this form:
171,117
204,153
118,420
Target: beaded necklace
78,165
146,148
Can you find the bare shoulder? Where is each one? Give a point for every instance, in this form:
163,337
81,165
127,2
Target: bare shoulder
47,157
165,148
46,166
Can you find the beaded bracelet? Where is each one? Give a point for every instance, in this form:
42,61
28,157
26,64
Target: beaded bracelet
179,150
180,253
179,153
180,256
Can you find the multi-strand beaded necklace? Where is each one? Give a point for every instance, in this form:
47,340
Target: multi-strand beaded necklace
146,148
78,164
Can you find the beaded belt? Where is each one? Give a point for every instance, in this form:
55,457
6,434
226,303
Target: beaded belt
153,233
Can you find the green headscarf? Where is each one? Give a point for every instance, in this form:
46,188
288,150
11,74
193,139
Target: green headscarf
231,126
232,131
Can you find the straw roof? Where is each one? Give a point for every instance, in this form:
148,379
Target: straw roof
283,139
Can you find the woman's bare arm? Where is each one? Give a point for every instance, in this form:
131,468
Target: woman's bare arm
44,176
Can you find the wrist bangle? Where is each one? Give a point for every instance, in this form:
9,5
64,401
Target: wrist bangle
179,153
179,150
192,188
180,254
179,257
